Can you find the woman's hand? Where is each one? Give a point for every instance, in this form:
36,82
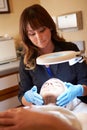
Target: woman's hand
33,97
71,92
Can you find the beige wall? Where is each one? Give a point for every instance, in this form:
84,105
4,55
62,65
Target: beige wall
59,7
9,23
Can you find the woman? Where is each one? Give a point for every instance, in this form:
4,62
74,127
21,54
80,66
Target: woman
39,35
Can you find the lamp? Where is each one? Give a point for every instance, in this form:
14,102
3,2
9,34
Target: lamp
59,57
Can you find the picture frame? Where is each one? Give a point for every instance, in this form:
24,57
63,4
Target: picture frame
4,6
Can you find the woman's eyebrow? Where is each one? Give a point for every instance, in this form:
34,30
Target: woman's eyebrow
30,30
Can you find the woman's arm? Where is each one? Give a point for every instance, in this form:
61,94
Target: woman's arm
85,90
25,103
25,82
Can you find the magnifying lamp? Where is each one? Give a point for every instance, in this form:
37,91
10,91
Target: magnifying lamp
59,57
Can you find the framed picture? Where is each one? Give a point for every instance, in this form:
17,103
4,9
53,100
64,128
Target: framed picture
4,6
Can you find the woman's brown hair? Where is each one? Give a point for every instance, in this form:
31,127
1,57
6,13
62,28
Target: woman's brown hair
36,16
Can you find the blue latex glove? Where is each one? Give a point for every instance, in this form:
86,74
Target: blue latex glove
71,92
33,97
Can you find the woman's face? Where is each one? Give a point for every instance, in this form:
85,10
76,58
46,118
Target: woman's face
52,86
40,37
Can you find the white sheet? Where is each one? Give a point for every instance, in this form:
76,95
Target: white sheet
82,107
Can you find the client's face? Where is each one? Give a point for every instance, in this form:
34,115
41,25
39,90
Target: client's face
52,88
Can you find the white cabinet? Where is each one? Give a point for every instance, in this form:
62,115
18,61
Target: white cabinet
9,103
9,90
8,81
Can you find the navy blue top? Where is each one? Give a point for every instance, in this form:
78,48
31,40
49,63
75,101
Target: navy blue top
75,74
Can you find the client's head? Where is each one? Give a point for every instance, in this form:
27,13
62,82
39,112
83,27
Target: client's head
51,89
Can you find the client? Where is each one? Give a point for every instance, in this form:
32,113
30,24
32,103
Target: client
53,88
44,117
